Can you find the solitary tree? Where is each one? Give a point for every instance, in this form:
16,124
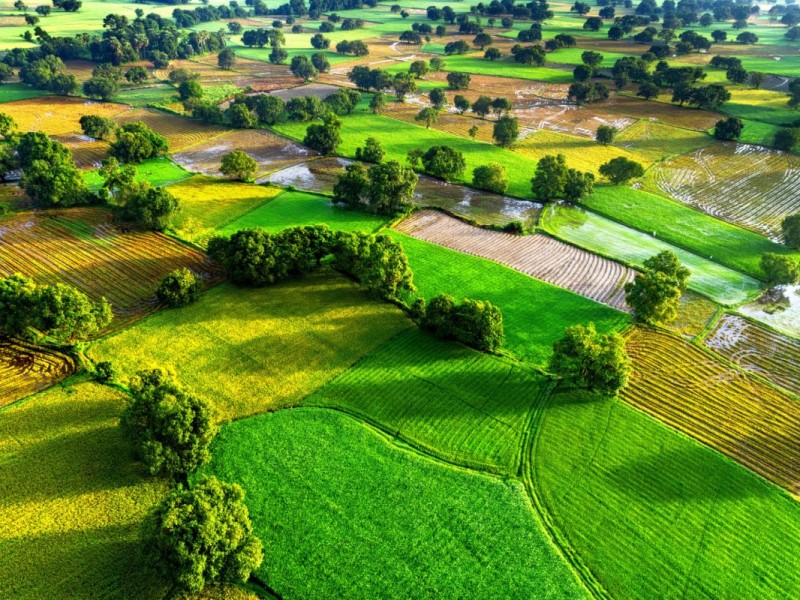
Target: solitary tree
202,536
605,134
96,127
427,115
654,294
170,429
728,129
506,131
226,59
779,269
151,207
179,288
302,67
371,152
324,138
621,170
491,177
239,165
791,231
590,359
443,161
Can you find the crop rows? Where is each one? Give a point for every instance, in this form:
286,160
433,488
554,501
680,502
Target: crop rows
57,115
536,255
759,350
687,389
748,185
179,131
26,369
84,248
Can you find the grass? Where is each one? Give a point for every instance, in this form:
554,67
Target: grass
653,140
251,350
158,171
208,202
760,105
468,407
505,67
9,92
678,224
598,234
73,499
154,95
534,313
300,208
655,514
345,513
581,153
756,132
398,137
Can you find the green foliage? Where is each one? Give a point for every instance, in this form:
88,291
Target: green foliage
104,371
427,115
391,188
780,269
170,429
474,323
458,81
371,152
593,360
239,116
302,67
17,303
179,288
151,207
238,165
97,127
377,103
202,536
49,174
787,138
324,138
728,129
667,262
343,101
491,177
444,162
790,227
190,90
605,134
378,262
506,131
621,170
226,59
136,75
553,180
351,186
103,88
137,142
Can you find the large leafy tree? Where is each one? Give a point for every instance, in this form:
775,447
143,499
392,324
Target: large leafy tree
325,137
491,177
654,294
351,186
478,324
151,207
443,161
791,231
137,142
779,269
49,174
239,165
506,131
202,536
621,170
590,359
391,187
171,429
378,262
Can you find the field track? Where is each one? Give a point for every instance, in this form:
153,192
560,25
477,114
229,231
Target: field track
759,350
26,369
83,247
536,255
744,419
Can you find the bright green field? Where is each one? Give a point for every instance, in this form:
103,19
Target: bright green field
141,97
158,171
344,512
398,137
690,229
300,208
263,53
505,67
606,237
655,514
534,313
467,407
9,92
251,350
72,500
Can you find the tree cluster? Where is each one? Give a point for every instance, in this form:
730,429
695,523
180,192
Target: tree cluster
553,180
655,293
385,189
593,360
475,323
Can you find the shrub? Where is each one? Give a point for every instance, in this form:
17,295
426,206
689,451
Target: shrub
378,262
104,371
592,360
179,288
474,323
791,231
779,269
137,142
491,177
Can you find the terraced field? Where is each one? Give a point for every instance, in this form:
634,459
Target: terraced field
758,350
179,131
536,255
26,369
83,247
689,390
270,151
747,185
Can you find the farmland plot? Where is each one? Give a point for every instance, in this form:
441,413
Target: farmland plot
785,317
58,115
748,185
689,390
536,255
26,369
759,350
654,141
179,131
312,176
83,247
270,151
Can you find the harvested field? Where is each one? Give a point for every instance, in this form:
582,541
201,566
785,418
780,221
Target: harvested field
747,185
744,419
26,369
758,350
270,151
83,247
181,132
582,154
638,108
87,152
536,255
694,313
57,115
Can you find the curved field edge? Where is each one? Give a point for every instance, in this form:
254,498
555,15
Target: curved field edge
654,514
375,537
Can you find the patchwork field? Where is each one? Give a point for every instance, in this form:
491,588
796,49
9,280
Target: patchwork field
292,209
252,350
180,132
609,238
747,185
744,419
26,369
653,513
467,407
73,498
270,151
758,350
58,115
83,247
403,525
536,255
534,313
158,171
